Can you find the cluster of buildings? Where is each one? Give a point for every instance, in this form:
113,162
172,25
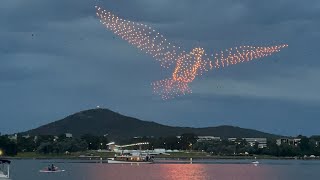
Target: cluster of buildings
290,141
262,142
14,137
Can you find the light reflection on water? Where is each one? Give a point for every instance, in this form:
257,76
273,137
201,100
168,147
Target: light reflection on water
223,170
183,172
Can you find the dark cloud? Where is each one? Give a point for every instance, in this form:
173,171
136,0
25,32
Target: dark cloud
57,59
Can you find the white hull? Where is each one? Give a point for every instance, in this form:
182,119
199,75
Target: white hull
128,162
46,171
2,176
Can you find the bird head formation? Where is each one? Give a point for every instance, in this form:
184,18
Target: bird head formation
186,65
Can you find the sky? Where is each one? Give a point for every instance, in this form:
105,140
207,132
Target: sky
57,59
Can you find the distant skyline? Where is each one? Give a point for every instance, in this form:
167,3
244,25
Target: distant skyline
57,59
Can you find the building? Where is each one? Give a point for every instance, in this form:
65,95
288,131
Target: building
111,146
35,139
208,138
205,138
26,136
13,137
68,135
262,142
290,141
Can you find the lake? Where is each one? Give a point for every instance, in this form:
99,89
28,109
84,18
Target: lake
169,170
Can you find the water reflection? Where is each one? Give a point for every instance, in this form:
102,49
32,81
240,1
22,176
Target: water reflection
182,172
205,169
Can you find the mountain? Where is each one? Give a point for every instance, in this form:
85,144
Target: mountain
117,126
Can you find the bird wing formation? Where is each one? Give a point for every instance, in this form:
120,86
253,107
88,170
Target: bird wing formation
142,36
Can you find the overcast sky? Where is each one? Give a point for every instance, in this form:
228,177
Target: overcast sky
57,59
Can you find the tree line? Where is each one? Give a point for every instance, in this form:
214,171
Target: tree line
47,144
187,142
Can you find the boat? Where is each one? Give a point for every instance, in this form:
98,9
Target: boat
255,161
4,169
51,169
131,158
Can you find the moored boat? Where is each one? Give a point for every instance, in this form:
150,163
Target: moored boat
255,161
4,169
131,159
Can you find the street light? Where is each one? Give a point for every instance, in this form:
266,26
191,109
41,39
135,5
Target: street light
190,146
1,152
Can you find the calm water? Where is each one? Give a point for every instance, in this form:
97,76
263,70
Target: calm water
210,169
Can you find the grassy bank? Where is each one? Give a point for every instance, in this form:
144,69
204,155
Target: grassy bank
202,155
75,155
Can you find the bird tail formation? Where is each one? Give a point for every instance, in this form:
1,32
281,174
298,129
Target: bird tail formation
170,88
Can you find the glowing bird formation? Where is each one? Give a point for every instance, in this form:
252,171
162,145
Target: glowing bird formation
188,65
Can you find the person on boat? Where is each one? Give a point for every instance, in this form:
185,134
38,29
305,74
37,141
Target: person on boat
52,167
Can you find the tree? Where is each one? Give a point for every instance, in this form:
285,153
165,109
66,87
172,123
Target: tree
43,139
287,150
240,145
8,147
304,145
187,140
272,148
95,142
171,142
25,144
45,148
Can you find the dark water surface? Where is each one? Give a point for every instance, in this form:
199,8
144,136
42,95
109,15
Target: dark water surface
172,170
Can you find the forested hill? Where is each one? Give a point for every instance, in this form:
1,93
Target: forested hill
117,126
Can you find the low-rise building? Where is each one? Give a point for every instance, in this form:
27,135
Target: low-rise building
290,141
26,136
68,135
262,142
111,146
208,138
13,137
205,138
35,139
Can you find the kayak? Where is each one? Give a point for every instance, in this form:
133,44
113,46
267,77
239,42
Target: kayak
55,171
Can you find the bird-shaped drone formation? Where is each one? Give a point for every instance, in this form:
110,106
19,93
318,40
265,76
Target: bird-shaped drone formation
188,65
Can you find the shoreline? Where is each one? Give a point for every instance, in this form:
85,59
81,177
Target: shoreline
160,157
96,155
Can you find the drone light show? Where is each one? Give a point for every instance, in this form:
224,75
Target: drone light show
186,65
